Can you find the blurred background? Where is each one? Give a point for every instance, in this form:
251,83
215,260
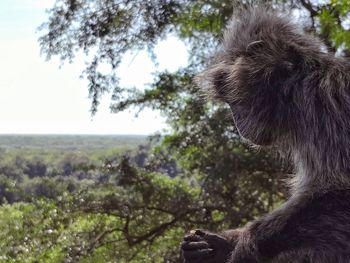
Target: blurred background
108,151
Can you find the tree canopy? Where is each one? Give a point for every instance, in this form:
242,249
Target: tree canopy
106,29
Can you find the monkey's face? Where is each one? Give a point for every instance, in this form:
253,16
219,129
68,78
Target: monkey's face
256,92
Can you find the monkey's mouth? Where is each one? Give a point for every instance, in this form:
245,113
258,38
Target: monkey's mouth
247,127
221,81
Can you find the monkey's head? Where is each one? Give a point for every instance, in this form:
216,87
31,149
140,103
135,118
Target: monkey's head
260,63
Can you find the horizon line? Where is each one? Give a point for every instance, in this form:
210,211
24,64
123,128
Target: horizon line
74,134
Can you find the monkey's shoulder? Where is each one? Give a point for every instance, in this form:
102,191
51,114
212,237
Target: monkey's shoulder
330,201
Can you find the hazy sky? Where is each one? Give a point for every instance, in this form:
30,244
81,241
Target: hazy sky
39,97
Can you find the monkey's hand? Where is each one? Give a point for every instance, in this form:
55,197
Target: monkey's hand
205,247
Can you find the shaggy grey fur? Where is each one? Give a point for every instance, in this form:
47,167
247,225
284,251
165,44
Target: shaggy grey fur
286,91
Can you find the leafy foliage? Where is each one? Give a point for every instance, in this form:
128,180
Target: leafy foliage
105,30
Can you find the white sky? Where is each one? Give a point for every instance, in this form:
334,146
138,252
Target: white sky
39,97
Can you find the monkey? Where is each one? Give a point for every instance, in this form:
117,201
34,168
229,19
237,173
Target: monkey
287,91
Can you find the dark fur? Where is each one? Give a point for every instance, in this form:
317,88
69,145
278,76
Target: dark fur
285,90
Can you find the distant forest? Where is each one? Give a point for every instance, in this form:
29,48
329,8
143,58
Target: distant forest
70,142
59,193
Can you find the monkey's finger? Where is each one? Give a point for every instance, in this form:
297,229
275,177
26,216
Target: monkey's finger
212,238
201,255
200,260
186,245
200,232
193,238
